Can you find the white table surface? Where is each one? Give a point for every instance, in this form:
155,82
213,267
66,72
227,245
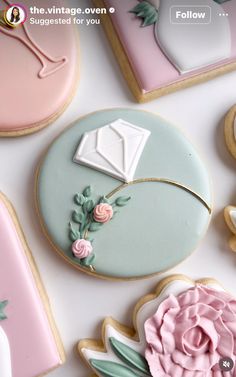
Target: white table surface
80,302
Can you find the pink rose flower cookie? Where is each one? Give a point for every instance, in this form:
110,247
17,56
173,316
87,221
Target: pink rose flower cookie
29,343
39,69
185,328
162,45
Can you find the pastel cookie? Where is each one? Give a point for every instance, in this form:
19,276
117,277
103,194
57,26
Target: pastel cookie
161,47
29,342
184,328
230,218
122,194
39,72
230,131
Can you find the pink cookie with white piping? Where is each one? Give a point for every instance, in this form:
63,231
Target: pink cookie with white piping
29,342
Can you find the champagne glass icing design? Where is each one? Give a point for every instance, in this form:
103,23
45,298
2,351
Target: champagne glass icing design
49,63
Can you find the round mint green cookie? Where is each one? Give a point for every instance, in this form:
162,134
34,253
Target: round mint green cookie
123,194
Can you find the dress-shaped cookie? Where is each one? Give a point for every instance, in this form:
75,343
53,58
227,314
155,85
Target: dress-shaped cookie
123,194
162,45
29,343
38,71
184,328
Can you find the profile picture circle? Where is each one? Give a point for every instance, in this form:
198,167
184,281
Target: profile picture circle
15,15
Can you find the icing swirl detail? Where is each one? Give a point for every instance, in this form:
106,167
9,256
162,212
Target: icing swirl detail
82,248
103,213
189,333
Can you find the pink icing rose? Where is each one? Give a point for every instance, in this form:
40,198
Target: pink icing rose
103,213
190,333
82,248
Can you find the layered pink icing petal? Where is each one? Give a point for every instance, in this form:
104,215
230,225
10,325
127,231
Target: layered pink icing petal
189,334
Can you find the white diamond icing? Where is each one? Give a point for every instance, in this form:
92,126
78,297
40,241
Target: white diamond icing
233,216
114,149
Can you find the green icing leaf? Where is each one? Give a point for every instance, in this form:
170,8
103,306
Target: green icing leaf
79,199
147,12
88,206
94,226
129,356
87,191
122,201
78,217
3,304
88,261
221,1
111,369
74,235
150,20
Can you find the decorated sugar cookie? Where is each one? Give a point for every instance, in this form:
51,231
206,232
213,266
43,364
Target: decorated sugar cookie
39,69
230,131
230,218
184,328
162,47
29,343
122,194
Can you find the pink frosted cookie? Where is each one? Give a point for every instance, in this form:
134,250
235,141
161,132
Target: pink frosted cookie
184,328
230,131
161,46
29,343
38,69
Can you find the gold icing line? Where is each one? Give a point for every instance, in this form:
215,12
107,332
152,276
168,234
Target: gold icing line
160,180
